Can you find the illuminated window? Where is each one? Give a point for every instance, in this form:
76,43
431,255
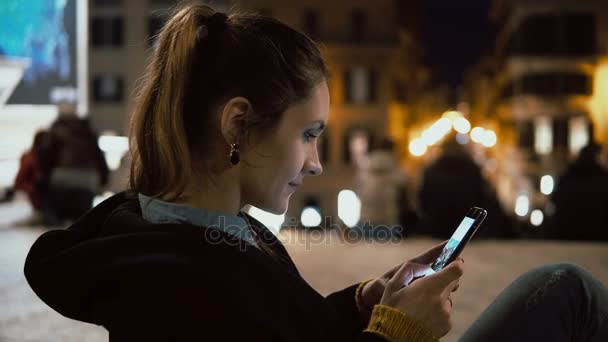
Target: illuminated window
579,133
360,85
543,136
357,145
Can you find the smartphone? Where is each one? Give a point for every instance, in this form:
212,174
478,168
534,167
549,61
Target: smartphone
465,231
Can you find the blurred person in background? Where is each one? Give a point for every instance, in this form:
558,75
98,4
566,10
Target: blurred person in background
451,185
229,114
381,186
76,166
581,199
32,176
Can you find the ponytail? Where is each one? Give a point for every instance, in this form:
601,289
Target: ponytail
163,148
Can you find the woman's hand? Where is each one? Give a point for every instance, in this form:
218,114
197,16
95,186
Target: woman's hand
428,299
372,291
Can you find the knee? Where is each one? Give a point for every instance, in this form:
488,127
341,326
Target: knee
569,269
563,271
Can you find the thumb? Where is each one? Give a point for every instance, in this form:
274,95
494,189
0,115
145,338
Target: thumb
449,273
406,273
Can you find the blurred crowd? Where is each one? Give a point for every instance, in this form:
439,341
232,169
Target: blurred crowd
454,182
63,171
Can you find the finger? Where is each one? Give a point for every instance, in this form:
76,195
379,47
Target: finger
450,288
405,274
392,271
430,255
447,303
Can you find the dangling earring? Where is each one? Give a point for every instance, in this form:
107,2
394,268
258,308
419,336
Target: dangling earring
234,154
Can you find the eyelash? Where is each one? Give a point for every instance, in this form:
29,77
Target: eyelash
308,136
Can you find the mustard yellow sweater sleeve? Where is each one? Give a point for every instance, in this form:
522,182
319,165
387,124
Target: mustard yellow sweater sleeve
393,324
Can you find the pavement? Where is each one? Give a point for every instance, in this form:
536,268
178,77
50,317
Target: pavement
325,260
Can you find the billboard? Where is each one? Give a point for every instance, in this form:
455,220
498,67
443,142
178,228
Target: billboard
42,34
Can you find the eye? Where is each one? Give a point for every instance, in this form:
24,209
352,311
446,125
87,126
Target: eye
308,136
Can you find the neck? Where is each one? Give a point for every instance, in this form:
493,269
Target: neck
222,195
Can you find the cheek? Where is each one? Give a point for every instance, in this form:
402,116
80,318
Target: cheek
295,157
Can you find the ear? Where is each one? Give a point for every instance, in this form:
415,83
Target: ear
234,114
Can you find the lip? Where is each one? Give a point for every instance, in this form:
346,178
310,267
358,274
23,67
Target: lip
295,185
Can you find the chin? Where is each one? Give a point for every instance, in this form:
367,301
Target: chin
277,208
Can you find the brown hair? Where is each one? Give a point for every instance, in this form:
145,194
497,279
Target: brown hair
203,59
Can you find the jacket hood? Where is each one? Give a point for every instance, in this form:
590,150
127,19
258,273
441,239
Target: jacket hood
111,252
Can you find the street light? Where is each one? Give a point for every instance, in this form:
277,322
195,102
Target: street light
311,217
488,138
349,207
477,134
546,184
462,125
537,217
522,205
417,147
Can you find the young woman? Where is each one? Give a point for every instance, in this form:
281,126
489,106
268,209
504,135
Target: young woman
228,115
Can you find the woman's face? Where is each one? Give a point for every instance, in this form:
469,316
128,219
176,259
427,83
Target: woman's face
274,168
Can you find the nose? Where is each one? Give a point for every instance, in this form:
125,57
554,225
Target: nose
312,166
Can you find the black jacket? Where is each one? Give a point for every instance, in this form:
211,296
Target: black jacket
178,282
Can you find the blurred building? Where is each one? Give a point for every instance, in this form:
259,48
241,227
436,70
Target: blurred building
538,88
121,38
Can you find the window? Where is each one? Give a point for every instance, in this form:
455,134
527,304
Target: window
358,25
543,136
550,84
357,143
580,133
108,88
360,85
155,24
107,31
571,34
311,23
536,35
102,3
576,84
579,32
525,134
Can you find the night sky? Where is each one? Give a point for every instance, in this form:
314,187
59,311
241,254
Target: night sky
455,34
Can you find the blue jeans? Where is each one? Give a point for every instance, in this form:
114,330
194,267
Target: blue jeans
560,302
